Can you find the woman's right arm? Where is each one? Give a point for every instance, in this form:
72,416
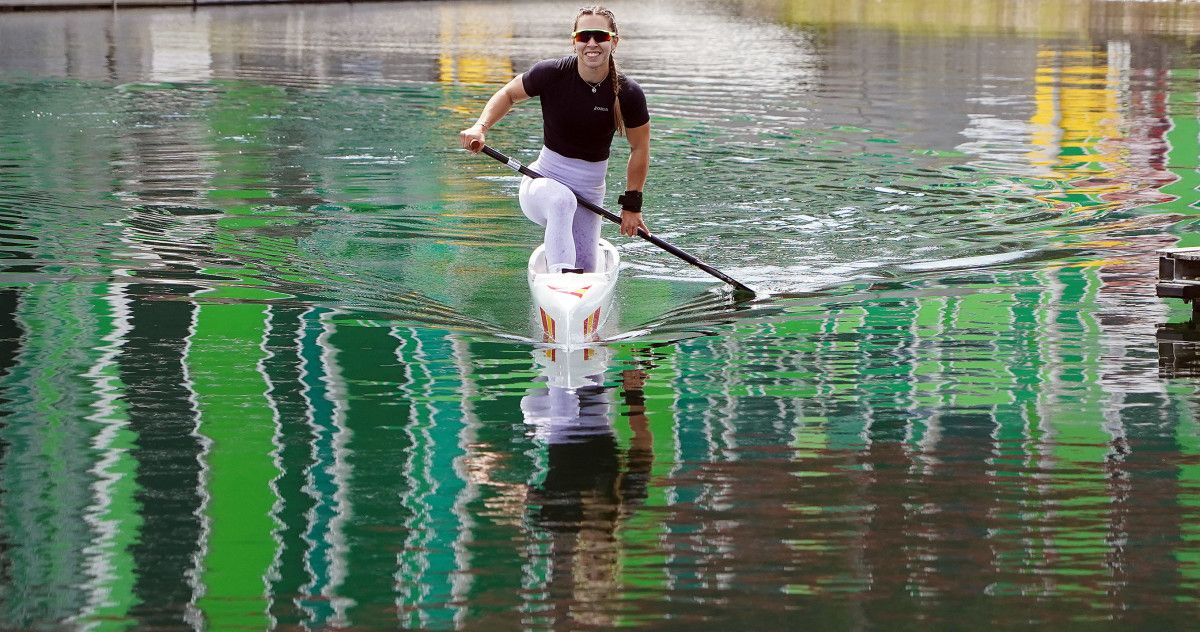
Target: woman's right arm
513,92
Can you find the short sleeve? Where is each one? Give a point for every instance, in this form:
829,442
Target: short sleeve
634,111
536,78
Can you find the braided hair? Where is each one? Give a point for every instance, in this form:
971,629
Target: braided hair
596,9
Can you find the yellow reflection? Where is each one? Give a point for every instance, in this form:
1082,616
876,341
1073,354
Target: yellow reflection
469,38
1073,115
1076,125
1044,17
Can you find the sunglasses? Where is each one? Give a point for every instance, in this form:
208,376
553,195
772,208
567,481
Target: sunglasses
600,35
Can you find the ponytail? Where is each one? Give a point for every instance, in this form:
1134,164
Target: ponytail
618,120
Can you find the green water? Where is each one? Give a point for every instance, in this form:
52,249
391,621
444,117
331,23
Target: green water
267,357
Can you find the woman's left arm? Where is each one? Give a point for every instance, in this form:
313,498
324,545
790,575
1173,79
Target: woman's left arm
635,175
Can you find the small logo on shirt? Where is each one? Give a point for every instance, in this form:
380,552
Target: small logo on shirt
600,108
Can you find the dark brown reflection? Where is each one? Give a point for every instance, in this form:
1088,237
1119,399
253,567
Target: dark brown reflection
589,489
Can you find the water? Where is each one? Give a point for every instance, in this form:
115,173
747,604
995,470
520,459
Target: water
268,359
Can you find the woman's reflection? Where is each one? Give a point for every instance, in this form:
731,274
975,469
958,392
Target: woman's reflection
587,489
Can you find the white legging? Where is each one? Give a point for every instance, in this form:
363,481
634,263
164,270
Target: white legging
572,232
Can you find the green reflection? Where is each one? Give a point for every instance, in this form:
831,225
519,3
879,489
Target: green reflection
239,424
48,481
116,513
302,415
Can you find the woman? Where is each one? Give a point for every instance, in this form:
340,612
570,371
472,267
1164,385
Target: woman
585,101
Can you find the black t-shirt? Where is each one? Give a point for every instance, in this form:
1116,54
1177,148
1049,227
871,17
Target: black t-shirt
577,122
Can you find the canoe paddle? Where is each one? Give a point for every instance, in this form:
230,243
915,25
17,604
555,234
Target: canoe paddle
612,217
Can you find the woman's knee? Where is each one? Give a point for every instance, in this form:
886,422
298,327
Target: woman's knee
550,195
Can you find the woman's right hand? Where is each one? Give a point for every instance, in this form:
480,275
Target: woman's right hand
472,138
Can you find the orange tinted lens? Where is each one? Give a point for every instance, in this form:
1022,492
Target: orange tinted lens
600,36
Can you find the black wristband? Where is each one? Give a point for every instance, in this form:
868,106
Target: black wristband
631,201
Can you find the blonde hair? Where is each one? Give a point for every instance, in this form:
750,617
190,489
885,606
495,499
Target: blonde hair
596,9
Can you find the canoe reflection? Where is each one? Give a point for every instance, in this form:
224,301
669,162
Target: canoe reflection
587,489
573,401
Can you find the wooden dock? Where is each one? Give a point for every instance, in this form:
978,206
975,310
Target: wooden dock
1179,275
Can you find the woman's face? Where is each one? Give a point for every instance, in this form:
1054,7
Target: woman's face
593,54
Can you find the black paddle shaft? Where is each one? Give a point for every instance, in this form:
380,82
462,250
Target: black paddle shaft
612,217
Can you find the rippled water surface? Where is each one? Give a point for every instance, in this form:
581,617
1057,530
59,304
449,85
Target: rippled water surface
267,355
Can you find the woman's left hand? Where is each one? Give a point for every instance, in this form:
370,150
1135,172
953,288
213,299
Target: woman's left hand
631,223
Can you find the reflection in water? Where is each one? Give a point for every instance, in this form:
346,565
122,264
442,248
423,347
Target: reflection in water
264,355
587,488
572,403
1179,349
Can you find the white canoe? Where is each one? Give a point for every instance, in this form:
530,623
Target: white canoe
571,307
